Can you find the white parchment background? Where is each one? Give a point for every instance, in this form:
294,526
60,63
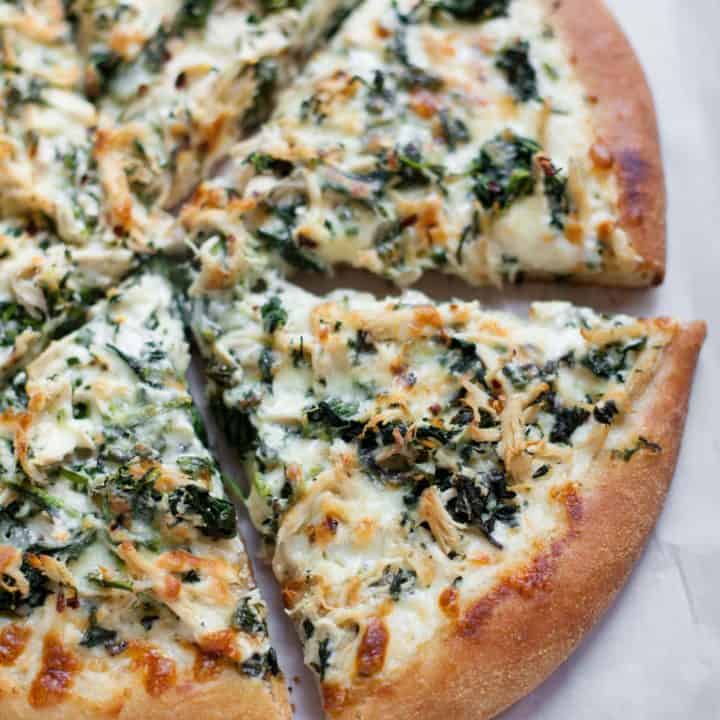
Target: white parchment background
656,655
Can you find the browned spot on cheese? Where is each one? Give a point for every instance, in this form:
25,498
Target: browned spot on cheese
381,31
471,624
601,156
58,667
425,315
449,602
171,588
159,672
424,104
291,592
206,666
323,532
534,577
373,647
574,232
221,643
13,640
334,697
213,654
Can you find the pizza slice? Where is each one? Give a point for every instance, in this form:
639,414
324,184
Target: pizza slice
451,497
125,590
491,140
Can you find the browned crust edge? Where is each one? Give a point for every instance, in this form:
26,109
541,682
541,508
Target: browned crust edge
625,120
513,639
231,696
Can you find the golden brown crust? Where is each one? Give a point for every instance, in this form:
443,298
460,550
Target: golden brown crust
625,120
511,640
230,696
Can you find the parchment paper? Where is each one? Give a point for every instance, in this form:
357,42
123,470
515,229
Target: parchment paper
656,654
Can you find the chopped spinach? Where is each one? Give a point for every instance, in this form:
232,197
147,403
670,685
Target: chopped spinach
259,665
97,635
333,417
398,581
642,443
263,163
213,516
555,186
472,10
454,131
610,361
278,236
193,15
248,618
606,412
274,315
483,501
567,421
265,74
15,602
266,363
513,61
362,345
323,661
503,171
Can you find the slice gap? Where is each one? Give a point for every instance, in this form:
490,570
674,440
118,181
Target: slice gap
123,551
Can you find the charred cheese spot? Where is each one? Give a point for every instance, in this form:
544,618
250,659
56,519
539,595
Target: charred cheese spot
159,672
449,602
54,680
373,648
13,641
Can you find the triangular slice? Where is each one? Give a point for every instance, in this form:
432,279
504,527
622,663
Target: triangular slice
124,589
491,140
452,497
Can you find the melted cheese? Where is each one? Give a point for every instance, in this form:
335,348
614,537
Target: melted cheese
406,450
112,500
390,153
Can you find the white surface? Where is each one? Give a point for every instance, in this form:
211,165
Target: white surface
656,655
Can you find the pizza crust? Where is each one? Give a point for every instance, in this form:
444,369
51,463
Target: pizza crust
507,643
231,696
625,121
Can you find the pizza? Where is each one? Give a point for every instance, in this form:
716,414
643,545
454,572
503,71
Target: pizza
123,578
205,77
450,496
108,112
490,140
46,287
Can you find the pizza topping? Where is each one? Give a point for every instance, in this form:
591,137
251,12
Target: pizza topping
411,449
56,675
13,640
159,672
373,646
378,157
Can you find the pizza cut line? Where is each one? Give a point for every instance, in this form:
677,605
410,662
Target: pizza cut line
450,496
123,578
478,139
111,112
